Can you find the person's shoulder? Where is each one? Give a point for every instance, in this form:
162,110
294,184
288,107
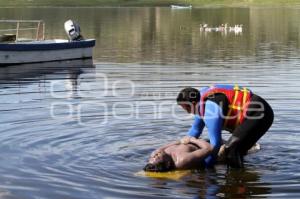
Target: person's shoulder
217,98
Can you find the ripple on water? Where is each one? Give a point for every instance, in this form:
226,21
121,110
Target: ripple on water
61,157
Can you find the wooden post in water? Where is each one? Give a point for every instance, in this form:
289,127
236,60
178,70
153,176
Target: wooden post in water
38,31
43,38
17,33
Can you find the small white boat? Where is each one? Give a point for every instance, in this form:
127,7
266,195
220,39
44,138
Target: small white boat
17,50
181,7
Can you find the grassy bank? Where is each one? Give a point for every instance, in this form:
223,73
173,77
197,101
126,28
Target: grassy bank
196,3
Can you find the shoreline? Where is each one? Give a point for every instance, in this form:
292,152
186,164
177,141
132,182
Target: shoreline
146,3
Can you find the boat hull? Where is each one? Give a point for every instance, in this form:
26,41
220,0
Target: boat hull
21,53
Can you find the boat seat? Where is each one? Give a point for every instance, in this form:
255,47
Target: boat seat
7,38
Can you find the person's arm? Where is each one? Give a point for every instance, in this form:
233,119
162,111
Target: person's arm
214,121
197,127
202,144
193,159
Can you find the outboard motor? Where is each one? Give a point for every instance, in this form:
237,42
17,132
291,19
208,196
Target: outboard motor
72,29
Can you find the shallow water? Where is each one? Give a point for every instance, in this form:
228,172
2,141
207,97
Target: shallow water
81,130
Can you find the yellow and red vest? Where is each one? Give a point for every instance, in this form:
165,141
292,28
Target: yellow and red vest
238,101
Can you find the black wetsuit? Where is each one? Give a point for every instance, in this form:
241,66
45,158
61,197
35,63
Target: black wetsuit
259,118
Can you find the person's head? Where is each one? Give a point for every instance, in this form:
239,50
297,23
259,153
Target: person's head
188,98
161,162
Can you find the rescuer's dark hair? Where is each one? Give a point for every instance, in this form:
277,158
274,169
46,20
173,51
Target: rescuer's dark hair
188,95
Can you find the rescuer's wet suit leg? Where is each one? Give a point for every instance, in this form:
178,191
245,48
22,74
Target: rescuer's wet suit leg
258,119
233,157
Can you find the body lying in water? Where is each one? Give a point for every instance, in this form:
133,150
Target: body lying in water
188,153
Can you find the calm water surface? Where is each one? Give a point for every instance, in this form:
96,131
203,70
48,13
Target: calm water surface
82,129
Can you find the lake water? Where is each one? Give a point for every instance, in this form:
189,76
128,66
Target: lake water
82,129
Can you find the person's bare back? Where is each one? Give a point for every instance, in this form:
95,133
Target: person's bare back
180,151
187,153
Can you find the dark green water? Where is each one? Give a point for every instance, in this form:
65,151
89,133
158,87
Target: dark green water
78,130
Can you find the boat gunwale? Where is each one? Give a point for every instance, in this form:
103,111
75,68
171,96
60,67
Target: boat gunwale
37,46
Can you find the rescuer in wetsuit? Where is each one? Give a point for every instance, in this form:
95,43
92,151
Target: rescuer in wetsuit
226,107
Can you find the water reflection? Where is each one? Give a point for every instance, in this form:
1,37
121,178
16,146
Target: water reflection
244,184
221,183
163,35
28,73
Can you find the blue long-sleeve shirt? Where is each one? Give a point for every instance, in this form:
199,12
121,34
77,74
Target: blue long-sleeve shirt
213,121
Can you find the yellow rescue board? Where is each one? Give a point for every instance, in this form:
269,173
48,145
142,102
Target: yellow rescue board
172,175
